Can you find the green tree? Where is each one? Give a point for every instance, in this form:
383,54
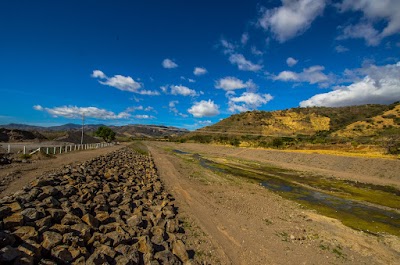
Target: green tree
106,133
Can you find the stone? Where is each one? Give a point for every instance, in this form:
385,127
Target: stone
15,206
70,219
179,250
51,202
31,214
31,248
8,254
123,260
158,235
83,230
4,211
73,239
134,220
166,257
26,232
59,228
56,214
144,245
106,250
104,217
6,238
51,239
14,220
24,260
97,258
90,220
62,253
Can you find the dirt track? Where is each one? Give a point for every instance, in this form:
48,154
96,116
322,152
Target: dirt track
247,224
236,222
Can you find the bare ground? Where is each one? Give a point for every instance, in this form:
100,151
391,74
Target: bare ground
15,176
230,221
236,222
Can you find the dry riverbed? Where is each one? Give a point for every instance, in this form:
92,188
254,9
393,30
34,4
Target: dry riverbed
235,221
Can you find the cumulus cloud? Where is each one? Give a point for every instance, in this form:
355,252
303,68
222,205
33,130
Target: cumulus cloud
373,12
204,109
312,75
248,101
199,71
341,49
98,74
244,64
230,83
380,85
38,107
206,122
169,64
361,31
182,90
291,61
144,117
291,19
124,83
74,112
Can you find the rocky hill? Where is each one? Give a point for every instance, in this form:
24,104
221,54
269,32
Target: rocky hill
339,123
15,135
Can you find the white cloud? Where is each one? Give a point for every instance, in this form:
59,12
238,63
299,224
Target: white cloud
149,92
291,61
191,80
310,75
247,101
124,83
74,112
291,19
373,12
199,71
230,83
361,31
255,51
144,117
98,74
341,49
204,109
207,122
182,90
135,108
245,38
169,64
227,47
244,64
38,107
380,85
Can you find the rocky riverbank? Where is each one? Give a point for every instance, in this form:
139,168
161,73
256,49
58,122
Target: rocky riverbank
110,210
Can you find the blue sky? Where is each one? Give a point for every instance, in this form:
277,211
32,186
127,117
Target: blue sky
192,63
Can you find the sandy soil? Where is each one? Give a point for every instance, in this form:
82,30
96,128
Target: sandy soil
371,170
235,222
15,176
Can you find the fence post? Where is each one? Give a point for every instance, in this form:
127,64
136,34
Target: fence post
54,151
9,149
60,149
24,149
47,151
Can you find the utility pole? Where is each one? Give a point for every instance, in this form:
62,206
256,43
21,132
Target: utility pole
83,124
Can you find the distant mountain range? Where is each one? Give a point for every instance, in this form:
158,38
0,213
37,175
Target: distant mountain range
133,130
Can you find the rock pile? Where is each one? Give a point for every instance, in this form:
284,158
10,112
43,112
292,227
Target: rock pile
110,210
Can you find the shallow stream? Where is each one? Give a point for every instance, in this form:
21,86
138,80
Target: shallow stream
367,207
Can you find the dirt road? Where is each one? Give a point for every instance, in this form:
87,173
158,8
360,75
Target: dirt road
15,176
247,224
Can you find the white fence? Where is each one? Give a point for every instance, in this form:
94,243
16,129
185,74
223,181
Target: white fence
60,149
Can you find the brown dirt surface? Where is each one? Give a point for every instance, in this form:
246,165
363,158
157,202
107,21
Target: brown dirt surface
233,221
15,176
364,169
